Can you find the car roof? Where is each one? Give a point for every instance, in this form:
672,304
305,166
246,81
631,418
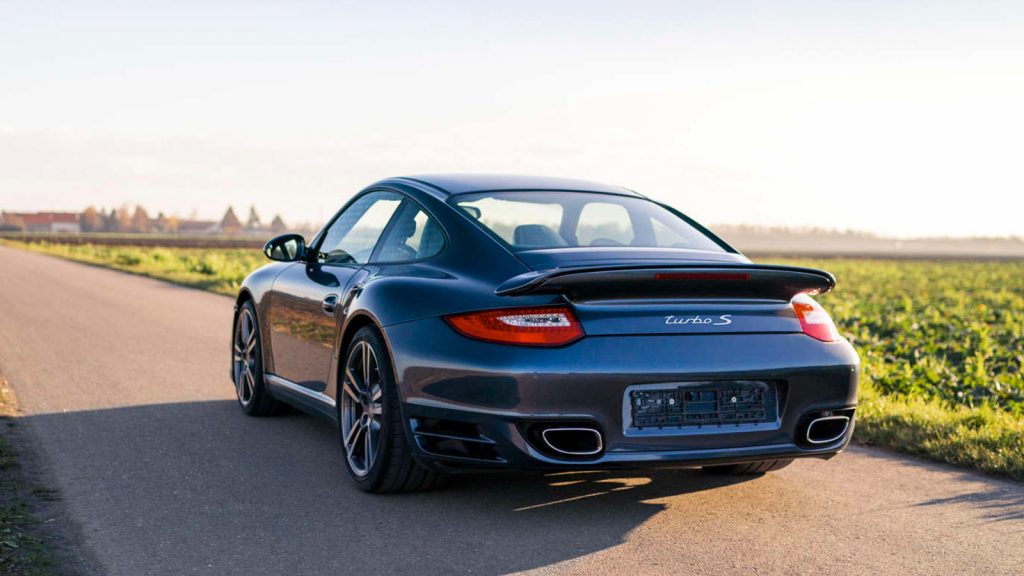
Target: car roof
451,184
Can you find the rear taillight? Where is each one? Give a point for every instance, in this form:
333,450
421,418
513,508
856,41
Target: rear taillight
543,326
814,321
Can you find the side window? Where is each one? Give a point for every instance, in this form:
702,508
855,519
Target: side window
352,236
604,224
412,236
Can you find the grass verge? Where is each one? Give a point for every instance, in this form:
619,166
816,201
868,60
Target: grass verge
982,437
216,270
24,551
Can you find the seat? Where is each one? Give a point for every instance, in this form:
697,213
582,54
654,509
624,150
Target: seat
537,236
395,248
431,241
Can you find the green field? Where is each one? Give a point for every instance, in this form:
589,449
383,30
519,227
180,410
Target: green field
942,342
942,352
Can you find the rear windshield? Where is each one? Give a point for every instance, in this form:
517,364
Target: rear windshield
537,220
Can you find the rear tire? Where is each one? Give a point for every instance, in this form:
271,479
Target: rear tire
247,364
368,404
749,467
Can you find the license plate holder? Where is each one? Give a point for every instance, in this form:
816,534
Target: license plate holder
704,404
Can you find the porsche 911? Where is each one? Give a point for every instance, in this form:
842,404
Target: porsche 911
453,323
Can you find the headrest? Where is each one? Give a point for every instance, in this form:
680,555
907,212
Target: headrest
431,240
404,229
537,236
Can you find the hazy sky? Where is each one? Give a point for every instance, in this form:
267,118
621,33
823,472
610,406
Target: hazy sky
901,118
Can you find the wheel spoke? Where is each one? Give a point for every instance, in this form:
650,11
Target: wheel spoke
348,390
246,328
371,366
243,383
367,365
250,384
355,381
377,393
237,354
353,434
368,449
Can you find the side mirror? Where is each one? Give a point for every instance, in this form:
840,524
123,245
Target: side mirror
286,248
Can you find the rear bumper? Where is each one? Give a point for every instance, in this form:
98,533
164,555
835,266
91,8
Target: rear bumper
491,394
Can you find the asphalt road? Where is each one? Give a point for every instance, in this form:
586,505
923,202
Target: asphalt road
124,381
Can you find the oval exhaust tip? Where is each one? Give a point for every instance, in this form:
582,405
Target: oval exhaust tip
573,441
829,429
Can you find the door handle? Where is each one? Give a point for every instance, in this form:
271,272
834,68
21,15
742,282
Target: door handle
330,304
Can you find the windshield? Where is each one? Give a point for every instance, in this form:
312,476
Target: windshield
537,220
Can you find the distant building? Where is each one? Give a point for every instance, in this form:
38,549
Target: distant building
198,227
229,224
278,226
67,222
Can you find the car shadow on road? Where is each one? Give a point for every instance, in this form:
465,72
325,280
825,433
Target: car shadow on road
997,499
201,488
999,503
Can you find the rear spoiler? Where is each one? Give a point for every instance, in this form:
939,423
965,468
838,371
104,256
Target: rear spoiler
673,280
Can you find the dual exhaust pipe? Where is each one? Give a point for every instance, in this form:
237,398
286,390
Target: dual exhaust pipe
827,428
572,441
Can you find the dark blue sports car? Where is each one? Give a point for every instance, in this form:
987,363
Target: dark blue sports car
467,322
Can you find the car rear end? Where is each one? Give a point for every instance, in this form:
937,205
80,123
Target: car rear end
632,336
632,365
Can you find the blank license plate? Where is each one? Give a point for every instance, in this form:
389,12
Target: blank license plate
689,405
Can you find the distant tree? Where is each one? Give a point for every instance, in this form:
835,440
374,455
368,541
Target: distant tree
166,224
110,221
123,219
254,220
160,224
92,220
278,225
140,220
229,224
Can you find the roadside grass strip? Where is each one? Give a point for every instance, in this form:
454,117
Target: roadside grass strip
23,552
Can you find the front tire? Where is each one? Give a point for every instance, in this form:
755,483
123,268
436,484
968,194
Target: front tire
749,468
377,454
247,364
